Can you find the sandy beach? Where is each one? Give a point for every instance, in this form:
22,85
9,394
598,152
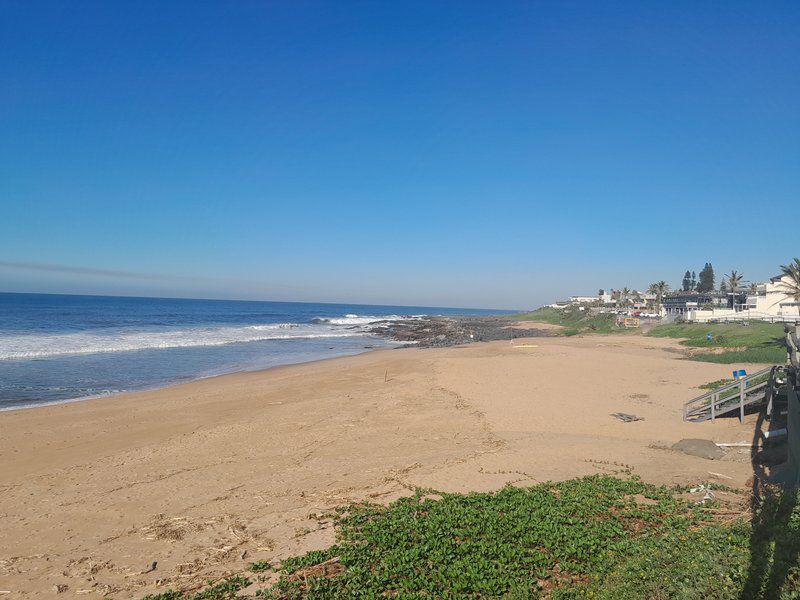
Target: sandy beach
206,477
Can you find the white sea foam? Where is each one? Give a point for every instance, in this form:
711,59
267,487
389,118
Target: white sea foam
20,347
36,345
351,319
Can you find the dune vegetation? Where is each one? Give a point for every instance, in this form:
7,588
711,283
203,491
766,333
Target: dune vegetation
594,537
753,342
573,320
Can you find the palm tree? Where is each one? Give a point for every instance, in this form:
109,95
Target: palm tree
734,279
753,289
792,273
624,297
660,289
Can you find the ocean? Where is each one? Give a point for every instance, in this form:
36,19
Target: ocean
56,348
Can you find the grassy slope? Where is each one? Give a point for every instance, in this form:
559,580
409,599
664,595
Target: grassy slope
757,342
574,321
595,537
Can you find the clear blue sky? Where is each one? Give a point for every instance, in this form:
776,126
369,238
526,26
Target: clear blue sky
436,153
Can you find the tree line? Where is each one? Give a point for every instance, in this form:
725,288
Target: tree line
702,283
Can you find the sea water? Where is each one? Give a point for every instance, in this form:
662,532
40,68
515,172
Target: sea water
55,348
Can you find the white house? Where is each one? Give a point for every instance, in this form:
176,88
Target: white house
771,302
559,304
776,300
582,299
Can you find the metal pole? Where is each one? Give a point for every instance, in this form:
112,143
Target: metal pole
741,401
770,392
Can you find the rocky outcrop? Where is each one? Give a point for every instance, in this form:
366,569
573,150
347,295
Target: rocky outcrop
429,332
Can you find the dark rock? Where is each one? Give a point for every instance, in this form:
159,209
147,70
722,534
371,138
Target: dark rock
440,332
702,448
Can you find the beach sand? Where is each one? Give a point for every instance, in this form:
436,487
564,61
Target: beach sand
209,476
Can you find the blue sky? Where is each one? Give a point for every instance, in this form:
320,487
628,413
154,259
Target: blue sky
454,154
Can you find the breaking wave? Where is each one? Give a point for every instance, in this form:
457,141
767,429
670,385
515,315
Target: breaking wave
356,319
124,340
40,345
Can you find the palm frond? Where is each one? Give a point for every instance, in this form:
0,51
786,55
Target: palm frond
790,280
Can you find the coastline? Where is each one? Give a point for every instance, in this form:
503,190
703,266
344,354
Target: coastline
169,385
420,332
204,477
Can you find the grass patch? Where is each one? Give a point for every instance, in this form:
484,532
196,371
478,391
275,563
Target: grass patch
732,394
767,356
573,320
715,385
595,537
757,342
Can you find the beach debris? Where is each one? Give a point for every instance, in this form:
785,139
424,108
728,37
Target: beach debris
626,418
719,475
707,497
60,588
735,444
526,346
329,569
700,448
775,433
152,568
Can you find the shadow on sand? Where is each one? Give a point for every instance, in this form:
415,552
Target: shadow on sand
775,536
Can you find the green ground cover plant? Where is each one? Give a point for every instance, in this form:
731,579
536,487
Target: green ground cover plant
594,537
732,393
756,342
573,320
714,385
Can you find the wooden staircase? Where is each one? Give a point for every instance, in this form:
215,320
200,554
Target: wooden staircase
735,396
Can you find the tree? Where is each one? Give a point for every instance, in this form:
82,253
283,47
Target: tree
734,279
660,289
753,289
693,283
723,287
706,283
687,281
624,295
791,272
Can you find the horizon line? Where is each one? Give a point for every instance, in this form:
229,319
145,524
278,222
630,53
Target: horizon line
146,297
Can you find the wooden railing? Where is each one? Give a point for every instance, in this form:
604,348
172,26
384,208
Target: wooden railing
736,395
